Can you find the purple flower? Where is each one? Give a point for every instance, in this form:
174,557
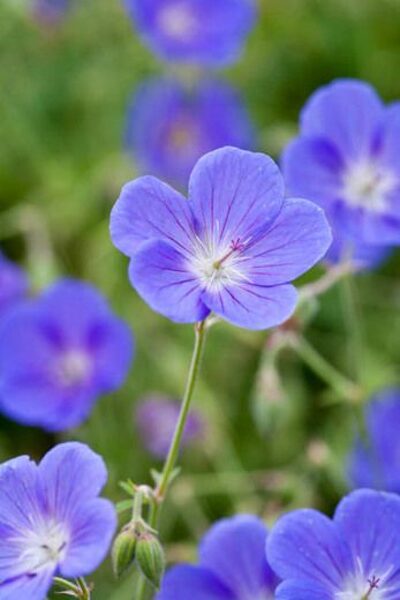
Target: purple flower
232,248
346,159
355,556
13,284
377,464
232,565
58,353
50,11
203,32
52,520
156,417
170,127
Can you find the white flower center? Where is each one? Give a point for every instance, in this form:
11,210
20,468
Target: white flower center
366,184
43,547
177,21
73,368
218,264
359,586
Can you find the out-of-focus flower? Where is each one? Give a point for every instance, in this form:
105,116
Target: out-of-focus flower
354,556
232,565
50,11
232,248
170,127
58,353
52,520
201,32
13,284
376,463
156,417
346,159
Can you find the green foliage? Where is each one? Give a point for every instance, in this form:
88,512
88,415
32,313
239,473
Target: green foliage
63,94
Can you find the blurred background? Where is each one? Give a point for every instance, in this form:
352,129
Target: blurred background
268,441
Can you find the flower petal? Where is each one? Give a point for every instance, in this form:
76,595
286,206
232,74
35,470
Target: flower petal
370,522
198,583
253,306
306,545
298,238
160,275
92,527
60,470
234,550
313,169
234,193
34,587
347,113
148,209
301,590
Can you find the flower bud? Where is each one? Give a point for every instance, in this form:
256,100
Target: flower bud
123,552
150,558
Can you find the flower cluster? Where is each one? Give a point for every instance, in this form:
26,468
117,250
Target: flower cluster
346,159
52,520
170,127
233,248
58,353
201,32
306,556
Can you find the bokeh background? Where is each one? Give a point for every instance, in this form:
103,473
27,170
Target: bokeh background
64,90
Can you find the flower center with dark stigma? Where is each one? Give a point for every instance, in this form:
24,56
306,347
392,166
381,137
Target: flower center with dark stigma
373,585
236,246
218,265
177,21
73,367
366,185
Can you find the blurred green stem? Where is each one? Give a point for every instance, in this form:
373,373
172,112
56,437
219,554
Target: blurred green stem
338,382
353,326
170,462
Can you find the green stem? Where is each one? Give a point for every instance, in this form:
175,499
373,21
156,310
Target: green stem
170,462
344,387
137,506
353,326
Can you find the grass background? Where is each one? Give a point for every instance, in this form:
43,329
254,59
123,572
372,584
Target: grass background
63,95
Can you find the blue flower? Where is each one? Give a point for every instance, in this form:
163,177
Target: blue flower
156,418
50,11
202,32
232,565
170,127
377,463
355,556
13,284
51,520
58,353
346,159
232,248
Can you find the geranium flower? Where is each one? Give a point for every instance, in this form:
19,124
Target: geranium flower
355,556
232,565
194,31
170,127
346,159
52,520
13,284
58,353
377,464
232,248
